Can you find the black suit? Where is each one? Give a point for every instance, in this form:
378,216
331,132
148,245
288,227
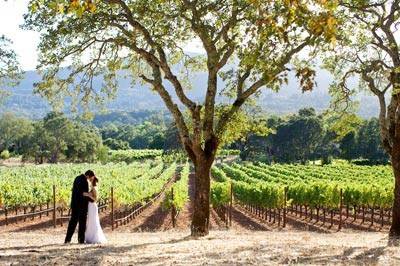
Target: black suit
79,209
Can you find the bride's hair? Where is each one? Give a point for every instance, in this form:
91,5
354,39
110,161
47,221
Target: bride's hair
95,181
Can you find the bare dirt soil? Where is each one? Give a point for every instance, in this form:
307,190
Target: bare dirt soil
219,248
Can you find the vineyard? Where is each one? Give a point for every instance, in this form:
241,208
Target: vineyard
178,195
129,156
272,191
33,189
32,185
152,192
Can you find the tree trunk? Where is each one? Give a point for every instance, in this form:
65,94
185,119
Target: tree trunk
201,204
395,157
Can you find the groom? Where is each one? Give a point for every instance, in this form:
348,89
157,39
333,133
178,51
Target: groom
79,206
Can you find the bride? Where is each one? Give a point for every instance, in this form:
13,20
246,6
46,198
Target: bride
94,234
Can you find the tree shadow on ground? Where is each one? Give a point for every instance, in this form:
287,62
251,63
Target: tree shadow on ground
72,254
367,257
247,222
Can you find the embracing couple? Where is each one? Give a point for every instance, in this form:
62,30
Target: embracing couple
84,211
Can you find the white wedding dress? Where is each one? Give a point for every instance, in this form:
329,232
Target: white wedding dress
94,234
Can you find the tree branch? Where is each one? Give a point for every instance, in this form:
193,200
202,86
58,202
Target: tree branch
162,61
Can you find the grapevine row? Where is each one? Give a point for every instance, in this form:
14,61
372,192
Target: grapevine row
178,195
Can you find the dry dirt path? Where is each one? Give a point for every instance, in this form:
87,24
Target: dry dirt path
219,248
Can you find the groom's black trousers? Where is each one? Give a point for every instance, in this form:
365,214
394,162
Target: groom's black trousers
77,217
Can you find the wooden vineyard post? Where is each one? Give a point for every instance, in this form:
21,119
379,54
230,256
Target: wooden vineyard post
6,214
340,209
32,212
284,206
54,207
173,210
231,205
225,211
269,214
363,214
355,213
112,208
279,216
274,215
372,215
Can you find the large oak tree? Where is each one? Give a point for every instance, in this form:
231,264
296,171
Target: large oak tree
249,44
369,51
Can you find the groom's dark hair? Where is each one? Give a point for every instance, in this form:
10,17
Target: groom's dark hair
89,173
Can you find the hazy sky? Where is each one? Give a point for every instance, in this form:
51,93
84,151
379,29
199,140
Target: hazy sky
25,42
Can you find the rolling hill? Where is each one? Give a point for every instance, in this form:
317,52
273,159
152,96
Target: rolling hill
288,100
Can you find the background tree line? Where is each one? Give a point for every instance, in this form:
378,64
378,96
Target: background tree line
53,139
307,136
298,138
57,138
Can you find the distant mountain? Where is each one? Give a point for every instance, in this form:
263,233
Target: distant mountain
129,99
132,118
